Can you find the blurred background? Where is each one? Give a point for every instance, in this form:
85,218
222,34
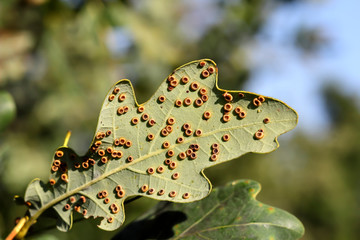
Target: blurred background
58,58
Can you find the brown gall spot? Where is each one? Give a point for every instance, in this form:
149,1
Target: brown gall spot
266,120
207,115
161,192
160,169
214,157
116,90
109,150
170,78
175,176
228,107
261,98
242,114
101,152
182,155
241,95
52,182
198,102
189,152
226,118
198,132
122,141
151,122
120,111
145,117
226,137
169,128
186,195
128,143
194,86
144,188
215,145
216,151
203,91
164,132
130,158
184,79
150,170
237,110
111,97
166,144
64,177
120,193
85,165
59,153
122,97
187,101
67,207
174,83
105,193
57,163
173,165
228,97
205,73
106,200
72,199
211,70
110,219
259,134
91,161
104,159
151,191
204,98
256,102
172,194
167,161
161,98
193,155
141,109
170,153
186,126
178,103
188,132
180,140
118,188
202,63
171,120
150,136
135,120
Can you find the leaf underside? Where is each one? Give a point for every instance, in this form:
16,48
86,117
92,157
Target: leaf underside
159,149
230,212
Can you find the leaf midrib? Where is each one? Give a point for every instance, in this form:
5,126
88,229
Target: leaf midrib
106,174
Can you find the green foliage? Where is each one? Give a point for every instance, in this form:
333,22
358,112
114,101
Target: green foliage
7,109
230,212
159,149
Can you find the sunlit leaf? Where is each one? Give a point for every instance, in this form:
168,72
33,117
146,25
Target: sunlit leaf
230,212
159,149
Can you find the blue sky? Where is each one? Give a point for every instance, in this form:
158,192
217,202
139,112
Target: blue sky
284,73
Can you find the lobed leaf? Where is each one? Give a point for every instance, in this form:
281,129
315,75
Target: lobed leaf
159,149
230,212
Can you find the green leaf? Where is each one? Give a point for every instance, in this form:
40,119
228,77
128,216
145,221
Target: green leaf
150,162
230,212
7,109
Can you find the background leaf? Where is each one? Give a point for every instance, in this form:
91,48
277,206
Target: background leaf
230,212
159,149
7,109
